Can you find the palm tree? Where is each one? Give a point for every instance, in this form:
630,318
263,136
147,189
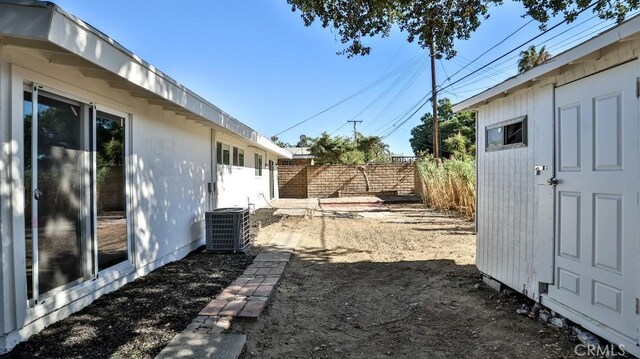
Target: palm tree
531,58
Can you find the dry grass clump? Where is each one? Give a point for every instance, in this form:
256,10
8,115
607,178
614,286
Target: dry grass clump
450,185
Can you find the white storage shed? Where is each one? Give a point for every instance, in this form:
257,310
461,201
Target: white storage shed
107,166
558,191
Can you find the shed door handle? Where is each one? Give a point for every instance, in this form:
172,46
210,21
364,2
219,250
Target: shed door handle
37,194
552,181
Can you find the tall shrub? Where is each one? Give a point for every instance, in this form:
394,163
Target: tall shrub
450,185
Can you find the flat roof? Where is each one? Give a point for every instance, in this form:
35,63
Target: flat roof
623,31
71,41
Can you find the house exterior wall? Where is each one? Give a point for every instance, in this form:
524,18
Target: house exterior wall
233,181
6,259
169,166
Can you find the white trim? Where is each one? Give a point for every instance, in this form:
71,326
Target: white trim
67,32
624,30
75,299
128,143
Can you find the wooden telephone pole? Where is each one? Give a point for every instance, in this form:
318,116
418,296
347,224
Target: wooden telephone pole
355,132
434,100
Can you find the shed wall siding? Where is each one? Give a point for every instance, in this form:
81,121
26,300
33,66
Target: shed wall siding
508,247
506,198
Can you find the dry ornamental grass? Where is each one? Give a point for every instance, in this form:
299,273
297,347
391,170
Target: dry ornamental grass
449,185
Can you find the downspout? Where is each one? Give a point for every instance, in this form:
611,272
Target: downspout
212,186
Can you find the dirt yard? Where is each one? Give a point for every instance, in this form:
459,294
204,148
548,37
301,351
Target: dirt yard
398,284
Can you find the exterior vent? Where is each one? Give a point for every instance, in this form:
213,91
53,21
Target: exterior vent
228,230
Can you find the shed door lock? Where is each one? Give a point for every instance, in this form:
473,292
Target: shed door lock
539,168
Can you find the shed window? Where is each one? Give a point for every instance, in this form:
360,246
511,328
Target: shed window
238,156
507,134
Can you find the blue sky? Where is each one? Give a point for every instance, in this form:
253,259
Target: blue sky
258,62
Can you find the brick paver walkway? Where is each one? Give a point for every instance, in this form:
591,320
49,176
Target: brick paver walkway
249,294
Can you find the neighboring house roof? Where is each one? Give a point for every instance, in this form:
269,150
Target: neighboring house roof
300,152
583,51
70,41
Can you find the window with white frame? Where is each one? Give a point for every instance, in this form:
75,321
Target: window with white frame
507,134
223,153
258,164
238,156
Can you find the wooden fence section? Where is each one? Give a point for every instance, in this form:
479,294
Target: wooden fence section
344,180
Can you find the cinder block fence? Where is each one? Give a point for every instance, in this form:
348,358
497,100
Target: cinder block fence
323,181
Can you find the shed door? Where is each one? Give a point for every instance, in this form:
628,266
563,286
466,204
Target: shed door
597,197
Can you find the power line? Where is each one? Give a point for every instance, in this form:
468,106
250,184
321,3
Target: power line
416,72
491,48
425,101
362,90
555,45
498,66
338,129
397,96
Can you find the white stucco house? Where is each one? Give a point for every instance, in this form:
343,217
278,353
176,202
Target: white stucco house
107,166
558,190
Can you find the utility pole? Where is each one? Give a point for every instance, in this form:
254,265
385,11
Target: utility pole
434,100
355,132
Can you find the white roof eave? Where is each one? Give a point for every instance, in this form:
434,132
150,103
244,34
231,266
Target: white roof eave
77,37
624,30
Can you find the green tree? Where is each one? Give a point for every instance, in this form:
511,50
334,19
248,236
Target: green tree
327,150
531,58
458,145
304,141
344,150
374,150
450,124
543,10
433,24
277,141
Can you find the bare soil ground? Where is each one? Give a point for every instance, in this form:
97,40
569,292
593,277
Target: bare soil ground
398,284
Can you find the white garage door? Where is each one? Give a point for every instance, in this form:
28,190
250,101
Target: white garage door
597,221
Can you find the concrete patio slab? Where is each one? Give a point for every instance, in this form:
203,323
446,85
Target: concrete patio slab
353,207
293,212
193,345
284,241
268,255
295,203
350,200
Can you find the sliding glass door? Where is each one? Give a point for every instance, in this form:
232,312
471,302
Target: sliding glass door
66,182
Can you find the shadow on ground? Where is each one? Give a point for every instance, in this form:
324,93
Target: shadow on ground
400,285
140,318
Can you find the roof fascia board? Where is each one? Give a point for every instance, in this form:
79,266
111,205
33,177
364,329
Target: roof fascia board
77,37
626,29
26,20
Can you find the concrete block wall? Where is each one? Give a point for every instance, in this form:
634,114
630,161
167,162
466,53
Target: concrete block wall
328,180
292,181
